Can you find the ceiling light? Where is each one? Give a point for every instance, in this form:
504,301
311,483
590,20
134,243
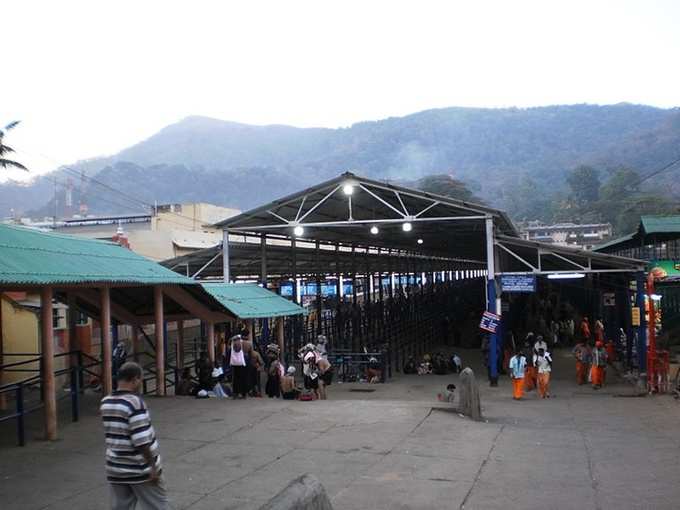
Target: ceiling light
420,241
656,297
348,189
374,230
406,227
565,276
298,231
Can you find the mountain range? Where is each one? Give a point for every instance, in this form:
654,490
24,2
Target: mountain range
240,165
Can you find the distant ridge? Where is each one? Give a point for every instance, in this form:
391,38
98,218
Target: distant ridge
229,163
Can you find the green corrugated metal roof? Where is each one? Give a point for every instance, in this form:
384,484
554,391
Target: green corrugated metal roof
33,257
250,301
660,224
614,242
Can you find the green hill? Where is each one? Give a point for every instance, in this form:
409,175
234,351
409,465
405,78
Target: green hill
491,150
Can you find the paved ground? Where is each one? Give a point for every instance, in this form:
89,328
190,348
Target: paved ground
387,449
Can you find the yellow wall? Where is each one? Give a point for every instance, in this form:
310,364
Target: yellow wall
19,334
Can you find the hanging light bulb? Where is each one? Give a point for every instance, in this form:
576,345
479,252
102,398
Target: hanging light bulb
406,227
374,230
348,189
420,241
298,231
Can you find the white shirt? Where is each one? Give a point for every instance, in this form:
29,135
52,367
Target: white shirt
543,363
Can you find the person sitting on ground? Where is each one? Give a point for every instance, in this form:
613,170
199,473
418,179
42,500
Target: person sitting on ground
373,370
448,395
289,391
410,366
425,366
186,385
325,376
439,365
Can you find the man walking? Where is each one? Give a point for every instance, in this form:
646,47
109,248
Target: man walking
133,462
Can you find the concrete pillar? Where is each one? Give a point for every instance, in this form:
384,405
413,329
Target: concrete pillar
105,324
160,340
47,341
225,256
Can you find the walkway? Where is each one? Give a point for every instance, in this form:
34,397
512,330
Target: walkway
387,449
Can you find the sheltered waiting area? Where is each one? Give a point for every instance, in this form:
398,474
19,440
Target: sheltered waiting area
389,242
114,286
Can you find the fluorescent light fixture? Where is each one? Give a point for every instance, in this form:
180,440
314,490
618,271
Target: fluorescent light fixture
565,276
348,189
298,231
406,227
656,297
420,241
374,230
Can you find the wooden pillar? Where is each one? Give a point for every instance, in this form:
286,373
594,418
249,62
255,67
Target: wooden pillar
160,340
72,316
211,342
279,334
251,330
137,346
49,390
180,345
105,325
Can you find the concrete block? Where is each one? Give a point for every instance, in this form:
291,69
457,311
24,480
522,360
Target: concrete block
304,493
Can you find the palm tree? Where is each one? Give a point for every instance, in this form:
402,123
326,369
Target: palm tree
5,149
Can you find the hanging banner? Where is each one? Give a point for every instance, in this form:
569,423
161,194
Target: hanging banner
518,283
489,322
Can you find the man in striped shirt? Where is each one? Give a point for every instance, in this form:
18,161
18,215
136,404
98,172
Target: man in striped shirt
133,462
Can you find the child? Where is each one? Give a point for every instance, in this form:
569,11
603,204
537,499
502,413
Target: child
449,394
543,364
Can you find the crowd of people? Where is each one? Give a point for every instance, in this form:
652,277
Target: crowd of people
239,369
530,366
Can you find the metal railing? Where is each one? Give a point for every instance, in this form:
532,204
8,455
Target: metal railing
18,389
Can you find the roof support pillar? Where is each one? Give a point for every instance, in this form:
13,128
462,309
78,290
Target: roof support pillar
105,324
159,329
225,256
180,344
492,301
263,260
48,384
210,333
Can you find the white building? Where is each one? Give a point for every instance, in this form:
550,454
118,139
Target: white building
567,234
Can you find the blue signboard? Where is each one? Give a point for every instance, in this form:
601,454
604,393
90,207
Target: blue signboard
489,322
518,283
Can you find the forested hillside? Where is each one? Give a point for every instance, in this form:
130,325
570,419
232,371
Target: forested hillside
515,159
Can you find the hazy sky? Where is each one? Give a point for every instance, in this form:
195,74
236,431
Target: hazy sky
88,78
